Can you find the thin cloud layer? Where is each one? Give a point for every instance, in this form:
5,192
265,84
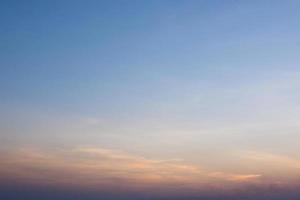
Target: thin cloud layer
99,167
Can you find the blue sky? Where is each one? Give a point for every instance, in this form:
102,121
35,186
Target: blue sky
209,86
69,54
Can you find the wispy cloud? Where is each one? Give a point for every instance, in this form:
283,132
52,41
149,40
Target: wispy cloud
235,177
277,168
94,167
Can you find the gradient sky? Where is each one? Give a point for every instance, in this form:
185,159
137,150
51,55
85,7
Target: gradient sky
150,99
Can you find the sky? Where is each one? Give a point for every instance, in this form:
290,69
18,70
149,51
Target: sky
145,100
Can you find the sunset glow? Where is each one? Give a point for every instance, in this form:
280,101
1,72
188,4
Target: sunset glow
149,100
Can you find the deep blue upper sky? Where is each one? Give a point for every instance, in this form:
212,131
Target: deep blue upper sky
54,53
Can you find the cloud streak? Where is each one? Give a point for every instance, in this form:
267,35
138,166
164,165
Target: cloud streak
92,167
